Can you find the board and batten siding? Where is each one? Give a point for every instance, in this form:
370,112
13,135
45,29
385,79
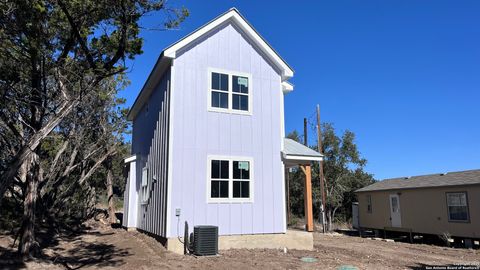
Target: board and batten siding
126,201
198,133
150,145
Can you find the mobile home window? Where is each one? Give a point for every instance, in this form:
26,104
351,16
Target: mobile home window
457,206
230,92
230,180
369,203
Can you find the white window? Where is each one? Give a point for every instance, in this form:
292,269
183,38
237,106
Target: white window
229,92
144,185
457,206
230,179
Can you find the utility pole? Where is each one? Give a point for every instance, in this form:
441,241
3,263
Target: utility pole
305,130
322,184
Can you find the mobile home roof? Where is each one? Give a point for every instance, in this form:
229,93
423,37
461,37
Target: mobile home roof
471,177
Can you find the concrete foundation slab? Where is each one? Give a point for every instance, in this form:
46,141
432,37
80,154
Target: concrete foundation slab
291,240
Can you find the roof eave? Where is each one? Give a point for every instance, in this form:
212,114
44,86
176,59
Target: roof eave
409,188
287,87
163,62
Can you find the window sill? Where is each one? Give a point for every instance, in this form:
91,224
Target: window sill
458,221
229,111
230,201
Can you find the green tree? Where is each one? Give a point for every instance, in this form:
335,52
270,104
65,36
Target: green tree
343,173
55,56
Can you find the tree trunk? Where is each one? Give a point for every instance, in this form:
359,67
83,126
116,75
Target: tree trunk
111,203
329,217
334,212
6,179
27,230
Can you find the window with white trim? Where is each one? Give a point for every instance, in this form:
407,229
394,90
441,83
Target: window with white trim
229,92
220,177
241,179
230,180
457,206
219,90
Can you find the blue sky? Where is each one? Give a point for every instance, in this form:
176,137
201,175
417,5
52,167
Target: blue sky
404,76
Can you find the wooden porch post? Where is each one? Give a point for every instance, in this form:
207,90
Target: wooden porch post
307,170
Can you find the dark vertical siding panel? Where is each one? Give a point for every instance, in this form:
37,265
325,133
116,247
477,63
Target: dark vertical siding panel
158,204
149,198
165,159
154,170
161,168
153,213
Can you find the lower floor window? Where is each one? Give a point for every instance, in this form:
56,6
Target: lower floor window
241,189
457,206
219,189
230,179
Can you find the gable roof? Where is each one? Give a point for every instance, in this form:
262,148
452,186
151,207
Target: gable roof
232,15
461,178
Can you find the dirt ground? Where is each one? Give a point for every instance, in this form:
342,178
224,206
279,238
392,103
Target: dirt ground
103,247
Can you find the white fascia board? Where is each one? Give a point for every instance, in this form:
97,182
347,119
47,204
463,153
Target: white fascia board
304,158
162,64
287,87
233,14
130,159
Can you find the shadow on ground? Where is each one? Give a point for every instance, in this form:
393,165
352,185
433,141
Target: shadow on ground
70,250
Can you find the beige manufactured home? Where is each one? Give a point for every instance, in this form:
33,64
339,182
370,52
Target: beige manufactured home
428,204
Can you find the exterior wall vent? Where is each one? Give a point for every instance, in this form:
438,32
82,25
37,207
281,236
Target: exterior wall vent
205,240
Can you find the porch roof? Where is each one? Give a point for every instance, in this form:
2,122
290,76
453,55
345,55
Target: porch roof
296,153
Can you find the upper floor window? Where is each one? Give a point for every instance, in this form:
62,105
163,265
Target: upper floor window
219,90
230,92
457,206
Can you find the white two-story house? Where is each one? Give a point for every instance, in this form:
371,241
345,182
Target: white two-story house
208,142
